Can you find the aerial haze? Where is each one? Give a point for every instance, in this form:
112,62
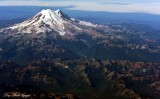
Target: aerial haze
141,6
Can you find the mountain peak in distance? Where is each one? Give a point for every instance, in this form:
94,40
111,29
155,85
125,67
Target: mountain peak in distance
55,22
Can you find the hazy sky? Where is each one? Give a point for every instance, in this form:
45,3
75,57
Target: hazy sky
145,6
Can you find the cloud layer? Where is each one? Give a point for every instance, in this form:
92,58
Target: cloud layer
145,6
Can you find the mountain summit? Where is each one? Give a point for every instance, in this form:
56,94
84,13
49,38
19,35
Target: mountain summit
44,21
50,17
50,21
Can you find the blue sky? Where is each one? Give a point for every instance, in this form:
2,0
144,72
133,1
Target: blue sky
144,6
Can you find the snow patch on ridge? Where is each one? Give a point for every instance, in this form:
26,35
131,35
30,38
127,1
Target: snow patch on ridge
87,24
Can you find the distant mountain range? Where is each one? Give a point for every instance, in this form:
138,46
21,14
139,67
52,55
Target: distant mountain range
54,52
20,13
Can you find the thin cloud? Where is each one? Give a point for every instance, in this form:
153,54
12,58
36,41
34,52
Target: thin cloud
93,5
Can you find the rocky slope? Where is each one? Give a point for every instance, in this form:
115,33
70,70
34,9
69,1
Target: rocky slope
87,78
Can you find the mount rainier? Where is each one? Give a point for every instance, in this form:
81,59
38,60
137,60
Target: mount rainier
51,21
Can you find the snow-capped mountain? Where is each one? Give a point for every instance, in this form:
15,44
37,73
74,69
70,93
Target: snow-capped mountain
52,34
50,21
